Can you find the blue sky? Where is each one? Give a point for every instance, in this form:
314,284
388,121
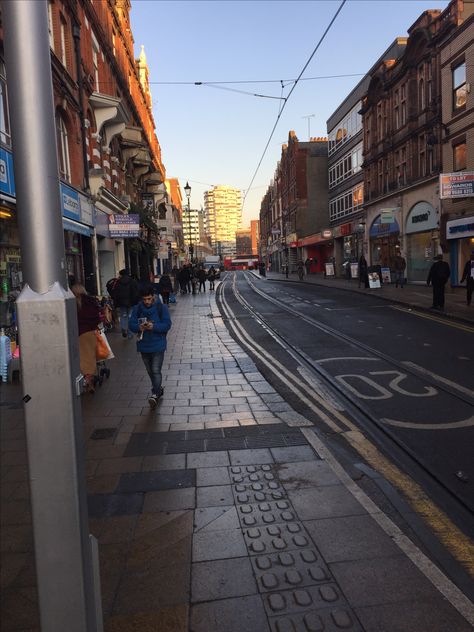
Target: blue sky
214,136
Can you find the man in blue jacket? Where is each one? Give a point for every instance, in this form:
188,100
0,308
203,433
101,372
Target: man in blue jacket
150,319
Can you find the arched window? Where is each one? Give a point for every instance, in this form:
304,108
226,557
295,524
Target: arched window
63,148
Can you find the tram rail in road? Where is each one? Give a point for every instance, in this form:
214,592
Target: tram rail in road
346,398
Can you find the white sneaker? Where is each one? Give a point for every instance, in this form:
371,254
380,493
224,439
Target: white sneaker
153,400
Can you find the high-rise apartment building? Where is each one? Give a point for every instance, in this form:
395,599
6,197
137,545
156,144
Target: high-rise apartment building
223,208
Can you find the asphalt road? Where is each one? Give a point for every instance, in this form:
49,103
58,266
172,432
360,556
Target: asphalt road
369,348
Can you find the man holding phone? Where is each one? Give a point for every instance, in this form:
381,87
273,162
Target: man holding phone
150,319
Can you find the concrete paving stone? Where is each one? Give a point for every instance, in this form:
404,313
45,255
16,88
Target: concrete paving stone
215,417
293,418
220,579
242,614
293,453
189,425
113,529
208,459
209,476
250,457
170,500
147,481
276,538
382,580
102,450
151,588
119,465
103,484
123,412
168,619
306,474
219,409
102,505
218,545
164,462
298,600
188,410
215,518
413,616
327,619
248,421
263,387
350,538
214,496
164,528
222,424
324,502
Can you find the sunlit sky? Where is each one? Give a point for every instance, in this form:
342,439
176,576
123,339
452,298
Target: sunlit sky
214,135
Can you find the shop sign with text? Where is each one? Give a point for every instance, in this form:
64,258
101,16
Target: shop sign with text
456,185
121,226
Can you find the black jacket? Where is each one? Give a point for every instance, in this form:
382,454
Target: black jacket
466,275
439,273
125,292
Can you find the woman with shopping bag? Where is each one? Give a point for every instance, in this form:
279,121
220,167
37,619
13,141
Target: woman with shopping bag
88,318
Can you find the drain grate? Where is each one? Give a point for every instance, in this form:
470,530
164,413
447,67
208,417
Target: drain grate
103,433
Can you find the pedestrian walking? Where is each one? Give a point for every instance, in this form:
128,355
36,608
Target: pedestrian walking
468,276
165,288
125,295
201,276
363,271
88,318
211,275
399,265
307,265
150,319
438,277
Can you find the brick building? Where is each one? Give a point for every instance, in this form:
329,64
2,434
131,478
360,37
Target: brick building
403,137
109,156
294,209
457,80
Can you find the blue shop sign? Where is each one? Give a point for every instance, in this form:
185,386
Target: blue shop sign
7,178
70,206
381,230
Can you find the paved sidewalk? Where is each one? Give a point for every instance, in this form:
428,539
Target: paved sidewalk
220,511
412,295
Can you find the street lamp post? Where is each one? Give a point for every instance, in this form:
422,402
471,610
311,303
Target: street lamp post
187,190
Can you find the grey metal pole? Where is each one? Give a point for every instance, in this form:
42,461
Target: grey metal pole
48,335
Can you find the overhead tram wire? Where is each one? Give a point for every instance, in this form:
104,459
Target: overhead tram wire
289,95
286,81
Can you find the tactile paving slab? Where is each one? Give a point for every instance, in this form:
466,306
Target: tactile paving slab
276,537
324,620
303,599
290,569
255,484
265,513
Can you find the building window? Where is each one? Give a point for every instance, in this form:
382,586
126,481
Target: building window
114,36
459,156
5,135
50,25
429,82
422,156
403,105
95,61
63,148
402,176
459,86
396,109
63,27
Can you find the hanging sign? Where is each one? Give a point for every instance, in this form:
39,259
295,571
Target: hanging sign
124,225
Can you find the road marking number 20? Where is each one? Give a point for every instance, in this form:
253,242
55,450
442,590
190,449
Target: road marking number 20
380,392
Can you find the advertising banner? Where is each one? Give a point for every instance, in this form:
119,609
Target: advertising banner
386,276
123,226
354,270
7,179
456,185
374,280
329,269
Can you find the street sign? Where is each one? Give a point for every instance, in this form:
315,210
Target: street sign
456,185
124,226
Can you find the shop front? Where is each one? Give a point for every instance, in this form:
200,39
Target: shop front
460,236
78,220
348,245
318,248
384,242
422,241
10,259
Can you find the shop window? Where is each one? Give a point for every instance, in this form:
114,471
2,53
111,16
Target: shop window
5,134
95,61
63,148
459,156
459,86
63,28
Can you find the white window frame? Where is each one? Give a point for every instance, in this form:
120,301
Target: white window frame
95,61
63,149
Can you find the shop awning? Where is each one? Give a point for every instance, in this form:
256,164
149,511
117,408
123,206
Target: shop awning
76,227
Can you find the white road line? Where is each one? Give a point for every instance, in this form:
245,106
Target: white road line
348,358
439,580
440,378
465,423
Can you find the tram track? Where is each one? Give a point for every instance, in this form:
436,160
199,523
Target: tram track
339,418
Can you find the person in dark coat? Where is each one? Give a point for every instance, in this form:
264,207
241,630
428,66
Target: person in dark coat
363,271
211,275
183,278
88,318
201,276
468,276
438,277
165,287
125,296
